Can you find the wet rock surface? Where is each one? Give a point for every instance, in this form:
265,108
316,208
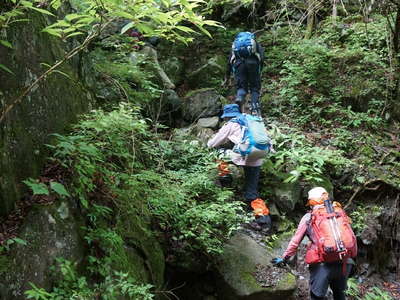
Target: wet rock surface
269,276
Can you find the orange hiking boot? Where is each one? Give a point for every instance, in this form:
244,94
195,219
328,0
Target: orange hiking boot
259,207
261,213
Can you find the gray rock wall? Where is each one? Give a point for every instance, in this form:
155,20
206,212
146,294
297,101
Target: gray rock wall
48,109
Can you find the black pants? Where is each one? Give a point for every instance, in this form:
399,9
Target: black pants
326,275
251,178
248,79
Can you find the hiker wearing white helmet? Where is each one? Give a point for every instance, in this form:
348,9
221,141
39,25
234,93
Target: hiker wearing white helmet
331,249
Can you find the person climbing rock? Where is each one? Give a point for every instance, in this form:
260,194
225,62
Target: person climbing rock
246,62
231,133
327,268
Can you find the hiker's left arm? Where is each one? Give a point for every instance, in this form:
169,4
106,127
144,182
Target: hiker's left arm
297,238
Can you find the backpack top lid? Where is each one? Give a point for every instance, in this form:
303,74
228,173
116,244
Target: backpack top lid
245,34
244,45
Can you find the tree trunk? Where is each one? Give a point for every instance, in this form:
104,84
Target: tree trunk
310,18
368,10
396,48
334,11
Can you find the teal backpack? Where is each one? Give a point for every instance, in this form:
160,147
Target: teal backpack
255,141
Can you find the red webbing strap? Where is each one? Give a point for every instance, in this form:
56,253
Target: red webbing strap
344,267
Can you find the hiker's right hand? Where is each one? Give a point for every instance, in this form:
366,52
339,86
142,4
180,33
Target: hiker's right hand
277,261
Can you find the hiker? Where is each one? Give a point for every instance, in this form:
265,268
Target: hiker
246,62
327,267
231,133
137,37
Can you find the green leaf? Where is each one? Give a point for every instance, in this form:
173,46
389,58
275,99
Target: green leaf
37,187
56,4
74,34
6,69
59,189
55,32
127,27
6,43
72,17
185,29
42,11
20,241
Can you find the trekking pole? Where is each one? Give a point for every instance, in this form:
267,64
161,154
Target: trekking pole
334,228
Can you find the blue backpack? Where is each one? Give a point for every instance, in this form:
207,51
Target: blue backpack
244,45
255,141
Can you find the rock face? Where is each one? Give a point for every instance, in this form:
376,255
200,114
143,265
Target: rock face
201,103
208,122
54,231
287,195
174,67
50,232
152,56
238,266
207,72
49,108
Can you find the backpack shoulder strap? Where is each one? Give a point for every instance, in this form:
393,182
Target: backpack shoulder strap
241,120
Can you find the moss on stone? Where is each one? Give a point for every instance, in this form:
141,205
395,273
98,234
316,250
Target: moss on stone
287,282
193,92
49,108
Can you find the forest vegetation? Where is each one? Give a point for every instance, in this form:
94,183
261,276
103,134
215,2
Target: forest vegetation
140,177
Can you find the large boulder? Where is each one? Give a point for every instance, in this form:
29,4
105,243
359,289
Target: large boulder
208,123
169,109
207,73
204,135
201,103
245,272
287,195
50,232
151,55
50,107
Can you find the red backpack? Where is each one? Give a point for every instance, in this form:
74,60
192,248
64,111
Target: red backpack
331,234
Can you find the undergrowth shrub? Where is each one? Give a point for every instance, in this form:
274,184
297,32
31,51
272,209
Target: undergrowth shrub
340,77
374,293
297,158
74,286
127,178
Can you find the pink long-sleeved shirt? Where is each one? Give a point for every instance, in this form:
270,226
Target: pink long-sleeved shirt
299,235
232,132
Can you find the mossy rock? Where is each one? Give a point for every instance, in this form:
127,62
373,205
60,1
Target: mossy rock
287,195
207,73
141,255
237,268
50,232
201,103
50,108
